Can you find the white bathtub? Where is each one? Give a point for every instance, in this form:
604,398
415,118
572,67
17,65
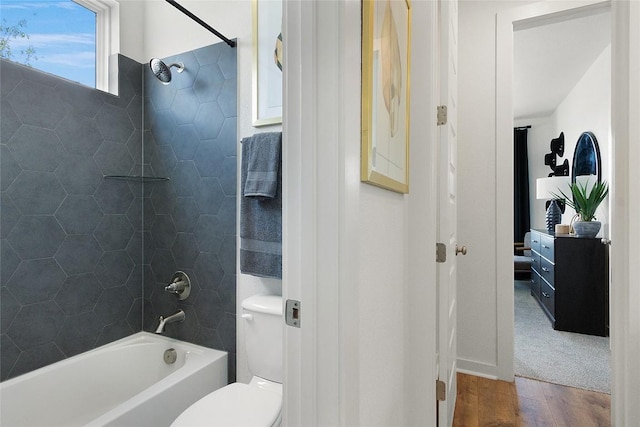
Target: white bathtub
125,383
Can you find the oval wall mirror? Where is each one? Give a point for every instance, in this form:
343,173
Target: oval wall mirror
586,157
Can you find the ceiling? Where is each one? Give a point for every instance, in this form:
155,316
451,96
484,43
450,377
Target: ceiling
551,57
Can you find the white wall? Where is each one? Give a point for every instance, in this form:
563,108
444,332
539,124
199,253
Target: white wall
157,29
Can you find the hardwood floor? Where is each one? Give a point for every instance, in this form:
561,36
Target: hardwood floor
482,403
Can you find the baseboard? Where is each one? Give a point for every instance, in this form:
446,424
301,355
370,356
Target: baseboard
477,369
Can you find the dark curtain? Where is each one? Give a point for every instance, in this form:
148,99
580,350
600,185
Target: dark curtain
521,222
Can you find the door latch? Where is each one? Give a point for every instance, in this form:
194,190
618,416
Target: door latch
292,313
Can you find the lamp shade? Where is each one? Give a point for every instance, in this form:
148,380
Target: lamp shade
547,187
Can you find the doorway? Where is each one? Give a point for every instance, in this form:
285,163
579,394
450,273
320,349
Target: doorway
561,88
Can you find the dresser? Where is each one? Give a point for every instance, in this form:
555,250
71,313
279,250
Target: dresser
570,281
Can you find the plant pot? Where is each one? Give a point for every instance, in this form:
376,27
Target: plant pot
586,228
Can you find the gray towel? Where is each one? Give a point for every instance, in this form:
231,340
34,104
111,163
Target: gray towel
260,224
263,164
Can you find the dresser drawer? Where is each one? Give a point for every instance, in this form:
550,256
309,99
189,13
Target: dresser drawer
535,285
535,240
546,246
548,298
547,271
535,262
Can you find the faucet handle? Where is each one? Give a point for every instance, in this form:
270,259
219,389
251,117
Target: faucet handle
180,285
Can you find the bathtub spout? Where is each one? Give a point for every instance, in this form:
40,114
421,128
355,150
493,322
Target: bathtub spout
177,317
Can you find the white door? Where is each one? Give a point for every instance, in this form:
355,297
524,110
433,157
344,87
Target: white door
447,215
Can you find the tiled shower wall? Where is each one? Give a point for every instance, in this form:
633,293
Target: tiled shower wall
83,256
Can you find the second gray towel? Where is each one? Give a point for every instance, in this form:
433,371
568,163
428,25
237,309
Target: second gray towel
263,163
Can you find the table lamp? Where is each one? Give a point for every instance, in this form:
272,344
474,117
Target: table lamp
545,189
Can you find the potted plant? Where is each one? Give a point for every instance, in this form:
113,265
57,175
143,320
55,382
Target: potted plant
585,203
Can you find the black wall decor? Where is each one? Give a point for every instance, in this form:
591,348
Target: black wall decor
557,149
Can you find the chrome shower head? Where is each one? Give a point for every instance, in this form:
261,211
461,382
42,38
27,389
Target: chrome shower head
162,71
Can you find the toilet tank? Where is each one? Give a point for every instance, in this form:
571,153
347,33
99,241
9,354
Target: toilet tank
263,324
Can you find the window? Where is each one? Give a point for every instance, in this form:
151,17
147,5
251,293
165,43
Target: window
71,39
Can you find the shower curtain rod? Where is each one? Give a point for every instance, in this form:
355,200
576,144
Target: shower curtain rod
201,22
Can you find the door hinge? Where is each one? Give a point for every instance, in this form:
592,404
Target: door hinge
441,390
292,313
442,115
441,252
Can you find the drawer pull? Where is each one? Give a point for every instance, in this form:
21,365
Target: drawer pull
546,295
535,241
546,270
546,247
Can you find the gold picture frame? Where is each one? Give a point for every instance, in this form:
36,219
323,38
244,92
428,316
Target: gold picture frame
267,52
386,62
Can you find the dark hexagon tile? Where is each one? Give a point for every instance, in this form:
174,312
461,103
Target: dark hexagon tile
208,271
209,196
114,269
164,198
185,142
134,110
115,331
209,83
163,266
79,99
185,250
36,149
9,167
36,193
9,215
209,54
148,146
208,337
78,254
113,158
36,324
228,178
209,158
10,75
208,121
185,214
9,121
9,307
163,161
37,357
228,99
79,214
149,317
141,214
209,232
79,294
36,280
228,63
126,92
73,339
209,309
79,135
136,280
161,96
9,261
227,215
79,175
163,127
36,237
37,104
227,331
149,247
228,137
10,354
227,255
185,178
227,293
113,232
184,79
113,305
164,303
184,106
113,196
134,145
114,124
163,231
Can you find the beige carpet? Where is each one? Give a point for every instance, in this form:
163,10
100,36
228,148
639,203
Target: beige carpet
541,353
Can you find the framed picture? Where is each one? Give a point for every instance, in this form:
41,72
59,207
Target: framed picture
386,52
267,62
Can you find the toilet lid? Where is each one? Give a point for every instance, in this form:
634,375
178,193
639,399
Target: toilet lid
236,405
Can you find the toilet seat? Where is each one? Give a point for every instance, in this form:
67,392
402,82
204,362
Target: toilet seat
236,405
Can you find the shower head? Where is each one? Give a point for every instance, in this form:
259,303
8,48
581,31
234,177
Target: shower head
162,71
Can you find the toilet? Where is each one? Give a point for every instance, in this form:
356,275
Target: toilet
259,403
